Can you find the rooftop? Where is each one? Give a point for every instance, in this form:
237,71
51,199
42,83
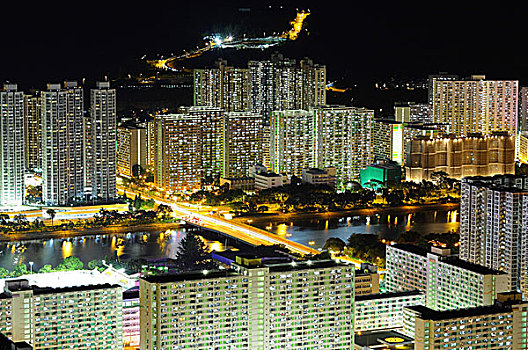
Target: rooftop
450,260
383,340
189,276
426,313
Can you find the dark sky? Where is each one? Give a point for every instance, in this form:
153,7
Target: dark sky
365,40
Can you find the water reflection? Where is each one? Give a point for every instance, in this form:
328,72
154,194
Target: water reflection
316,231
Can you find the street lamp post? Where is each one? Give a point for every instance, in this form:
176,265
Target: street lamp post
31,267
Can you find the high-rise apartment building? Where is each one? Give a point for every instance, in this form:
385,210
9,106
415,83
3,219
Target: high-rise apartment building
261,87
224,87
475,105
131,149
298,305
448,282
63,172
314,84
383,311
293,141
345,140
242,143
499,326
523,109
32,132
474,155
494,225
100,148
387,140
176,159
410,112
80,317
12,152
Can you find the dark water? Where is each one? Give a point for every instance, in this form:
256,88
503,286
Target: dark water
315,232
155,244
147,245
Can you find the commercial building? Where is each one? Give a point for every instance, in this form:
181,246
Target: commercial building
499,326
384,311
32,132
475,105
63,131
344,140
448,282
293,141
297,305
131,149
80,317
494,225
317,176
474,155
12,153
243,143
101,158
377,176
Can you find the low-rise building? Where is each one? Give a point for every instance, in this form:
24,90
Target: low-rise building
244,183
500,326
317,176
448,282
381,175
384,311
266,180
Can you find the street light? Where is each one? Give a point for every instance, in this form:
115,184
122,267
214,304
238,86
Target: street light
31,267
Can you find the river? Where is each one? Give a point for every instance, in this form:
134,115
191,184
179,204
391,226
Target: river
156,244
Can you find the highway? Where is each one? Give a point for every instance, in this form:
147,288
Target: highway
246,233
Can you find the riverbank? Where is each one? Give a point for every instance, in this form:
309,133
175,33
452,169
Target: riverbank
92,231
283,217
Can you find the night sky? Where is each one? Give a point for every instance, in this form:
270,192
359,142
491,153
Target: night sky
365,40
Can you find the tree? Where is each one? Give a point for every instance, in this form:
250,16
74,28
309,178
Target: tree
94,264
192,254
46,269
164,210
335,244
20,219
4,273
51,212
71,263
20,269
4,218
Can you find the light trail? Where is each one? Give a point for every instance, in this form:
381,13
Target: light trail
228,42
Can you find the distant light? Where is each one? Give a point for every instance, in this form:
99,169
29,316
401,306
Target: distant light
205,272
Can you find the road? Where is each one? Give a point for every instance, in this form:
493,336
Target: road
246,233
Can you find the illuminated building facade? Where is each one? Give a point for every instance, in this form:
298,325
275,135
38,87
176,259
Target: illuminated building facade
130,314
523,148
224,87
293,141
63,173
411,112
243,143
499,326
387,139
448,282
474,155
523,109
177,163
12,153
131,149
81,317
476,105
344,140
261,87
494,225
383,311
32,132
299,305
101,159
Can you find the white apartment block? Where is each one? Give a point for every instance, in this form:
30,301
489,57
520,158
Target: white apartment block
12,152
494,225
345,140
383,311
448,282
475,105
299,305
101,157
63,146
80,317
499,326
293,141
